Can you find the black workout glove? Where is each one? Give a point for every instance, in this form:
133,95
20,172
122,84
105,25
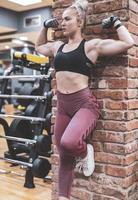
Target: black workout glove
109,22
51,23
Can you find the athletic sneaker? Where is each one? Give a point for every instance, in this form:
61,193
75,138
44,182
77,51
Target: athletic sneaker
86,165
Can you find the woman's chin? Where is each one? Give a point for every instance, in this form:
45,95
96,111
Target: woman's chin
65,33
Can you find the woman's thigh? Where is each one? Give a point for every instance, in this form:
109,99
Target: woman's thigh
61,124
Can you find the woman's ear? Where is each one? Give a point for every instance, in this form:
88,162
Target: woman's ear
80,22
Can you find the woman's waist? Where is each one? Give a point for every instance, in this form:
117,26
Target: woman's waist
77,95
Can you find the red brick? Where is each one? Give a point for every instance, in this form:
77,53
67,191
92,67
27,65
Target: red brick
102,197
109,158
129,136
131,147
115,126
114,192
97,18
133,17
135,38
108,6
62,3
116,105
99,168
108,136
133,51
117,171
133,6
117,83
133,28
131,114
113,115
132,73
131,169
109,71
133,104
97,146
132,93
131,125
133,62
115,95
128,181
81,194
132,83
129,159
114,148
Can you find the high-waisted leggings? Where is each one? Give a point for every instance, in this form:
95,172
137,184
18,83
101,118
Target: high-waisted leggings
76,117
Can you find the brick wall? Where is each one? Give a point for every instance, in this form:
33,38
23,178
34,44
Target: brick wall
115,84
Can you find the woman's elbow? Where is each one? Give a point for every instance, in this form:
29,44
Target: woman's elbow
38,49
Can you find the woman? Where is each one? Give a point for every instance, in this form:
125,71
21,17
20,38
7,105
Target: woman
77,110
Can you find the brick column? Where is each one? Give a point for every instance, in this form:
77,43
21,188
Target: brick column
115,84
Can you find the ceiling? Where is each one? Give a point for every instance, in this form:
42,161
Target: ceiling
9,33
19,8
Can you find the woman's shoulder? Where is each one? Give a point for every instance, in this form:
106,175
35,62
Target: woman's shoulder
57,45
91,44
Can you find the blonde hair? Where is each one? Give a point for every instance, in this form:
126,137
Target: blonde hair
81,7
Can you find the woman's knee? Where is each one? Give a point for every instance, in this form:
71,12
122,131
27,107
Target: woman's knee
67,145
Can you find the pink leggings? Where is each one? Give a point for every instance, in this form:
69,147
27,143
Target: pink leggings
77,114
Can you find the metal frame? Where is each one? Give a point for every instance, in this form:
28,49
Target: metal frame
27,141
22,96
25,76
23,117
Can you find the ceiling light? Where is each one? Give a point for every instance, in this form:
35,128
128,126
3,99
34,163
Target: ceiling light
25,45
25,3
17,41
7,47
23,38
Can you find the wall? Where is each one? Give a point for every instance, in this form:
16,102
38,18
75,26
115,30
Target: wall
15,20
115,84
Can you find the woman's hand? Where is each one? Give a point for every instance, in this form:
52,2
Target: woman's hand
51,23
110,21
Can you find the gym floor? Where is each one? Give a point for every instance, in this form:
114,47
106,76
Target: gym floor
11,185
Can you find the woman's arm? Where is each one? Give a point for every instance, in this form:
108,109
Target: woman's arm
42,45
109,47
112,47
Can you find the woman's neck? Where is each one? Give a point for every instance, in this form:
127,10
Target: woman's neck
75,39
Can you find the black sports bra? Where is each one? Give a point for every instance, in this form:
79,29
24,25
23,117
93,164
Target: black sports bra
73,61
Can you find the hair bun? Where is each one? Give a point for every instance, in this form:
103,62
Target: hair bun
83,4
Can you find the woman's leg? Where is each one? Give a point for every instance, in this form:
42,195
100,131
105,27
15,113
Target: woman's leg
73,144
73,141
66,162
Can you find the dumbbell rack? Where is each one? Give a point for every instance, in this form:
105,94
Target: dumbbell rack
43,117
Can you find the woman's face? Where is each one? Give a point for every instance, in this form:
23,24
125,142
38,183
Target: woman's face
70,23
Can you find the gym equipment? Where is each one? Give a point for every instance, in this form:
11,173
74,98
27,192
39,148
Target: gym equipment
25,76
23,117
23,96
51,23
40,167
25,138
109,22
43,142
30,57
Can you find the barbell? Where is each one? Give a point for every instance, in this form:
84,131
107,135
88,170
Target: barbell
23,117
25,76
23,96
43,142
40,166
